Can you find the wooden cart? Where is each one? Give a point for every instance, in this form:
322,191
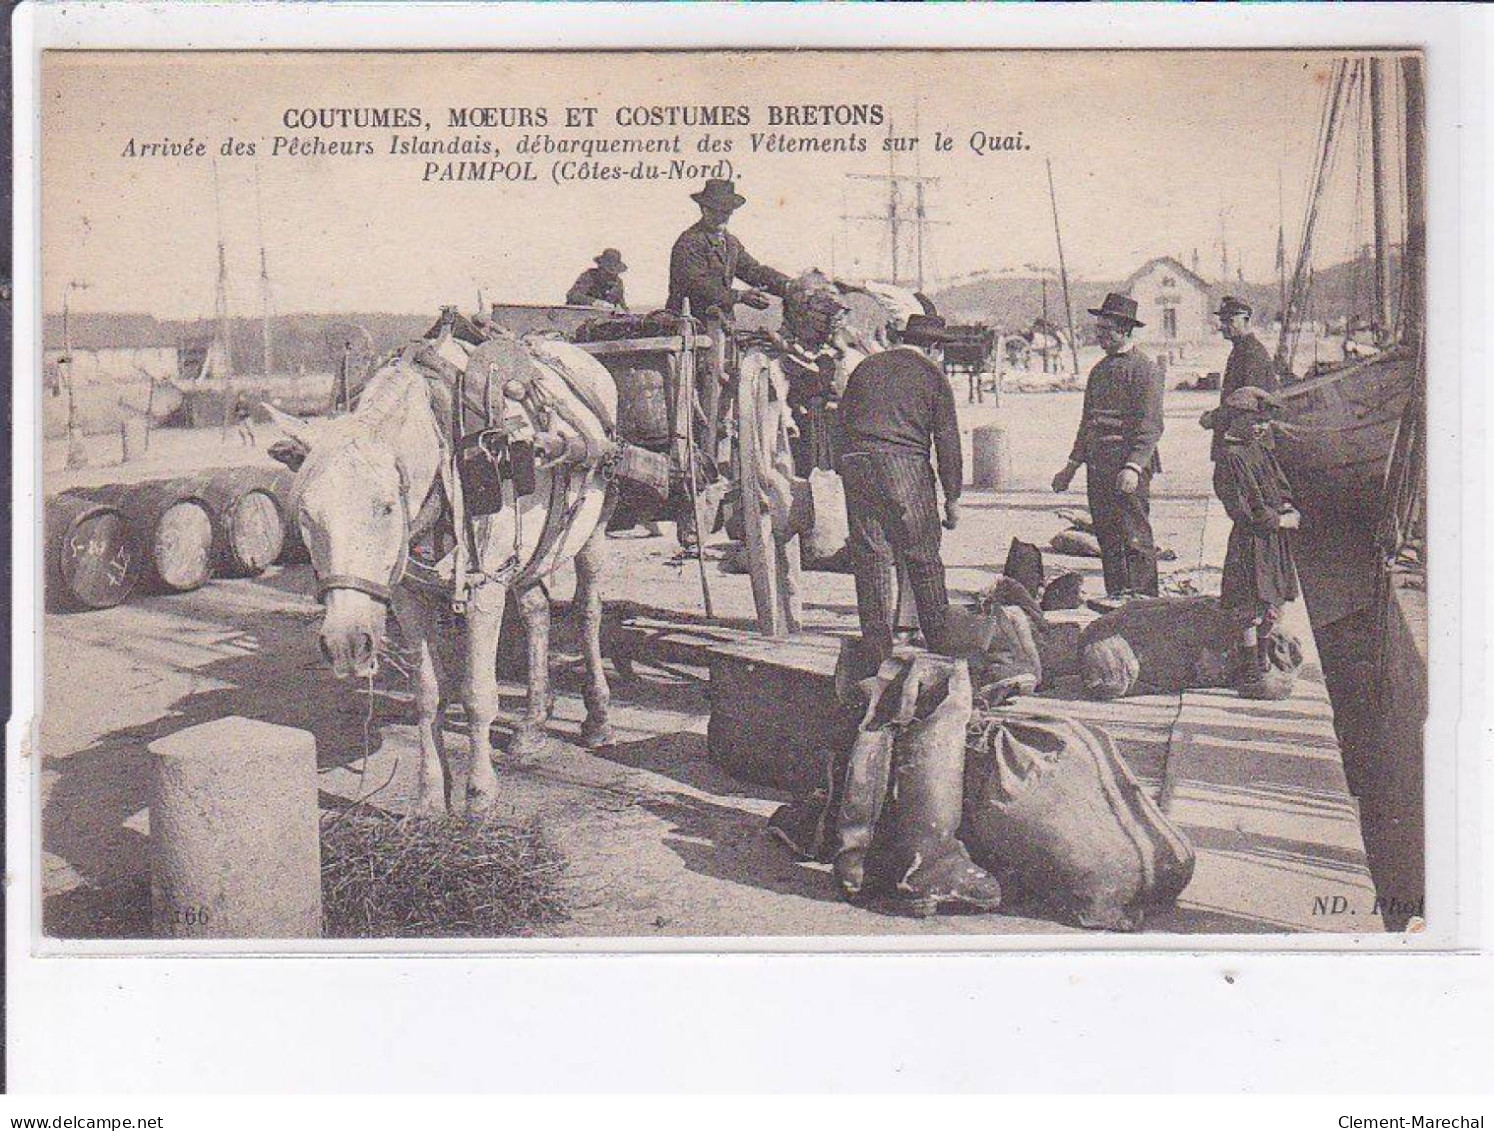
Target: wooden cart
759,445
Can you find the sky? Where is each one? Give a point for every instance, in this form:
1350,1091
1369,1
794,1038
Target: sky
1148,149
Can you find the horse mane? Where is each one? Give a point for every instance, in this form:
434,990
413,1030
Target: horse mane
360,436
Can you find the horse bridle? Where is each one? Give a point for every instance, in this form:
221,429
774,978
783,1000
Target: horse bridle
380,591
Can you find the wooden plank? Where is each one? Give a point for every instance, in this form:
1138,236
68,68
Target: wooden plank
1270,815
673,344
646,638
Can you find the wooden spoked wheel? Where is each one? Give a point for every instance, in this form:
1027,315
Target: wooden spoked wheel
764,465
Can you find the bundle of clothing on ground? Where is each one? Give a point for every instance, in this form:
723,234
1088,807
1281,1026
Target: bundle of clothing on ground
957,793
953,799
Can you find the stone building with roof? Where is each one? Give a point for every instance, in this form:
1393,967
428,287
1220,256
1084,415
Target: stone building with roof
1174,302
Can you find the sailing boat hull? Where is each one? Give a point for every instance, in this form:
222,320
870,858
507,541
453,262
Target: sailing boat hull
1336,432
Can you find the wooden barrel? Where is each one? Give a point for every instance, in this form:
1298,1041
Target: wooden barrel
282,480
93,560
643,385
248,529
173,528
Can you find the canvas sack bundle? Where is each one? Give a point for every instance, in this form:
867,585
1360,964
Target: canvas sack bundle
1168,644
1024,564
1075,543
1001,649
1052,811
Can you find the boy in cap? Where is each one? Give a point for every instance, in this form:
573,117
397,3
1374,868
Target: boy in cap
1117,441
1259,576
601,285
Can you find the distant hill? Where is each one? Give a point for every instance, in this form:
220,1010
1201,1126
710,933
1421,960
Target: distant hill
105,331
1011,302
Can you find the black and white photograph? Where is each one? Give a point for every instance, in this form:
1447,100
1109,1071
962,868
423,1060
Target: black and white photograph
815,497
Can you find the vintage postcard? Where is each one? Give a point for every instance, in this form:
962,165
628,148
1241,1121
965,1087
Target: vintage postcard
733,498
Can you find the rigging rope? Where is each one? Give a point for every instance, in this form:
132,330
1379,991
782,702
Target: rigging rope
1286,346
1356,223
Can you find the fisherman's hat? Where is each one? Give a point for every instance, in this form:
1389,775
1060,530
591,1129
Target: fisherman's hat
924,330
719,193
611,260
1119,307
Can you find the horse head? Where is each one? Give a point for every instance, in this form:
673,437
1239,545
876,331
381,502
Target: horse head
363,482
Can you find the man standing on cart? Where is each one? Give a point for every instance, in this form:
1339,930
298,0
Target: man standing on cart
705,263
703,266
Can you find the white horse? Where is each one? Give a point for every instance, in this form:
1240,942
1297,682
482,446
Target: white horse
372,482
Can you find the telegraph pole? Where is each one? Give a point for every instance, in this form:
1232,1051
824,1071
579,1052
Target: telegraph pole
77,455
264,274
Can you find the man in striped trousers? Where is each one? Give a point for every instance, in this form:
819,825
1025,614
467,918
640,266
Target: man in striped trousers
898,404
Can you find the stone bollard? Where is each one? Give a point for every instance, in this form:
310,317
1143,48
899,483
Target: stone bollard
235,849
989,462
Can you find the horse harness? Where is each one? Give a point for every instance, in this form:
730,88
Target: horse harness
476,462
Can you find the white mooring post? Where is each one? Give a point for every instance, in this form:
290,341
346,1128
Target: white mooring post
234,844
990,463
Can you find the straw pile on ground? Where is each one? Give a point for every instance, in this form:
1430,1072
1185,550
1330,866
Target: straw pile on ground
384,876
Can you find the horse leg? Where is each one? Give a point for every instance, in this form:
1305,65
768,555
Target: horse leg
484,620
534,607
596,731
433,778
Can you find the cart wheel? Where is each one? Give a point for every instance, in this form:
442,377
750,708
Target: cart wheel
762,451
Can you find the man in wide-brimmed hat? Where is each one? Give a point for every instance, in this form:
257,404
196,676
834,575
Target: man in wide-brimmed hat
1249,365
897,406
704,265
1117,442
601,285
707,260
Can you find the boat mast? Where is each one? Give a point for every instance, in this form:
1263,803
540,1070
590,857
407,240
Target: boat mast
1384,326
1063,272
1281,255
894,202
1415,264
264,272
1297,296
896,215
220,309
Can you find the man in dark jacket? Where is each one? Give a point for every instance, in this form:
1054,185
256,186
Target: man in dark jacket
601,285
898,404
704,264
707,259
1249,365
1117,442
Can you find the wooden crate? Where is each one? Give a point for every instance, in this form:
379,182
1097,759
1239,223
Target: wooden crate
774,714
